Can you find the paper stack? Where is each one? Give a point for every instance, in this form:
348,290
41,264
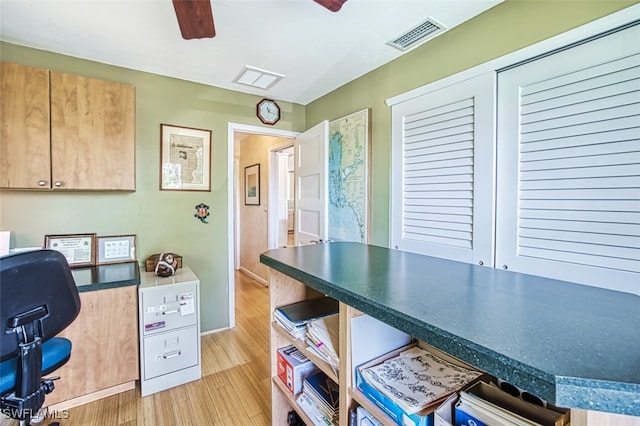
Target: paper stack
294,317
323,338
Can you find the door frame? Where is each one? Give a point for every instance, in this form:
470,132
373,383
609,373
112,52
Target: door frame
232,224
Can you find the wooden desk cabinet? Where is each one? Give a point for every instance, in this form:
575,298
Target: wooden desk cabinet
65,132
104,355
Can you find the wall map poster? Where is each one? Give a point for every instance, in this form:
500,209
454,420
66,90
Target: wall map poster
348,178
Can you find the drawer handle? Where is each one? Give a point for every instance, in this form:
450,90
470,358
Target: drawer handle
174,311
172,354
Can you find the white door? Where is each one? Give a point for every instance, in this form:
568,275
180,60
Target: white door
282,164
311,171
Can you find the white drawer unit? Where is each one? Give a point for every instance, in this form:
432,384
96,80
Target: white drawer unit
169,316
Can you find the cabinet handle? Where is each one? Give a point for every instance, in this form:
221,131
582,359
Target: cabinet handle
42,182
58,184
174,311
172,354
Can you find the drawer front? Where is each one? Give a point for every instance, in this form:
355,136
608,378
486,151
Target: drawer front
171,351
169,308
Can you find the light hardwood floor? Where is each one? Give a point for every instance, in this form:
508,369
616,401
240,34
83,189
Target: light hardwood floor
234,389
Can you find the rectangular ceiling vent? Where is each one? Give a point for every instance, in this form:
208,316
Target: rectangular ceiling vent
421,33
256,77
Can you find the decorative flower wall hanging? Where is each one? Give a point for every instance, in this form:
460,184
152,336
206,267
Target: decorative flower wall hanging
202,211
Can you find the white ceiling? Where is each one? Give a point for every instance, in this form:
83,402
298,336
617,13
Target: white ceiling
316,50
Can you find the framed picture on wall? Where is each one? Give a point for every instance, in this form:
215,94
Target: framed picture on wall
252,185
185,158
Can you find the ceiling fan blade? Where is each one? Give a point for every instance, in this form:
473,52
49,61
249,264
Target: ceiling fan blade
332,5
194,18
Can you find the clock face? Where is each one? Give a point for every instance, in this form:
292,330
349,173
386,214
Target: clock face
268,111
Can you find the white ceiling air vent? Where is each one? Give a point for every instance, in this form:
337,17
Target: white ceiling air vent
419,34
255,77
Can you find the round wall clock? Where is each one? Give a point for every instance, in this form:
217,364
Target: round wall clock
268,111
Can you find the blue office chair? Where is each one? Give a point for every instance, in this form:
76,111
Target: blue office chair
38,299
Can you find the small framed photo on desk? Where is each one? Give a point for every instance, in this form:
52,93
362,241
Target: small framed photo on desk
116,249
78,249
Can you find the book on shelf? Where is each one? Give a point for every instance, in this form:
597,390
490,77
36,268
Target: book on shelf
324,394
323,339
417,378
311,410
295,316
486,401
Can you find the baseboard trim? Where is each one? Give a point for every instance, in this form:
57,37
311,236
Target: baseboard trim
254,276
90,397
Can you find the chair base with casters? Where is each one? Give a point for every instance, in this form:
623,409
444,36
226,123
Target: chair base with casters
38,299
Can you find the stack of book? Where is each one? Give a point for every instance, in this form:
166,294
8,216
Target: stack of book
294,317
320,399
322,337
416,379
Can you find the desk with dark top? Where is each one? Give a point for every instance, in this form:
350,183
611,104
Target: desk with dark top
101,277
574,345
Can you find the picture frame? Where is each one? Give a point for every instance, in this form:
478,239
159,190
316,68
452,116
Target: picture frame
185,158
116,249
252,185
78,249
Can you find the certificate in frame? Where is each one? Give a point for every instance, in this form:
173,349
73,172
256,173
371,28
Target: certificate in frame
116,249
185,158
78,249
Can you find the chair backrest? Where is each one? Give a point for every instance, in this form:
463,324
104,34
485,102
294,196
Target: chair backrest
34,279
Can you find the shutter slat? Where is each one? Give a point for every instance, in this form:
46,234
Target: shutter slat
593,205
586,195
569,257
584,172
619,135
603,241
584,129
582,226
622,99
620,69
602,216
581,151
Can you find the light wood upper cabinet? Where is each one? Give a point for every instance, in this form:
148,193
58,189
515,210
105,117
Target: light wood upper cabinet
24,127
65,132
92,133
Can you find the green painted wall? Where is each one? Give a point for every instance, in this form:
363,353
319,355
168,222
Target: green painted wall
162,220
510,26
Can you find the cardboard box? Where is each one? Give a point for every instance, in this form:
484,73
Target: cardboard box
443,416
293,367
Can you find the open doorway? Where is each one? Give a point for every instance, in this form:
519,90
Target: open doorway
281,193
262,143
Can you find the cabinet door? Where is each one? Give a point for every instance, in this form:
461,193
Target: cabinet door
105,345
92,134
24,127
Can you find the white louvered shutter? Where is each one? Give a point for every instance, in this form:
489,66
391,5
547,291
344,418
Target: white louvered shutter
442,172
569,164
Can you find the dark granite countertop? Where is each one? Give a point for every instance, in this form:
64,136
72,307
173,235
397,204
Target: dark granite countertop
101,277
573,345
